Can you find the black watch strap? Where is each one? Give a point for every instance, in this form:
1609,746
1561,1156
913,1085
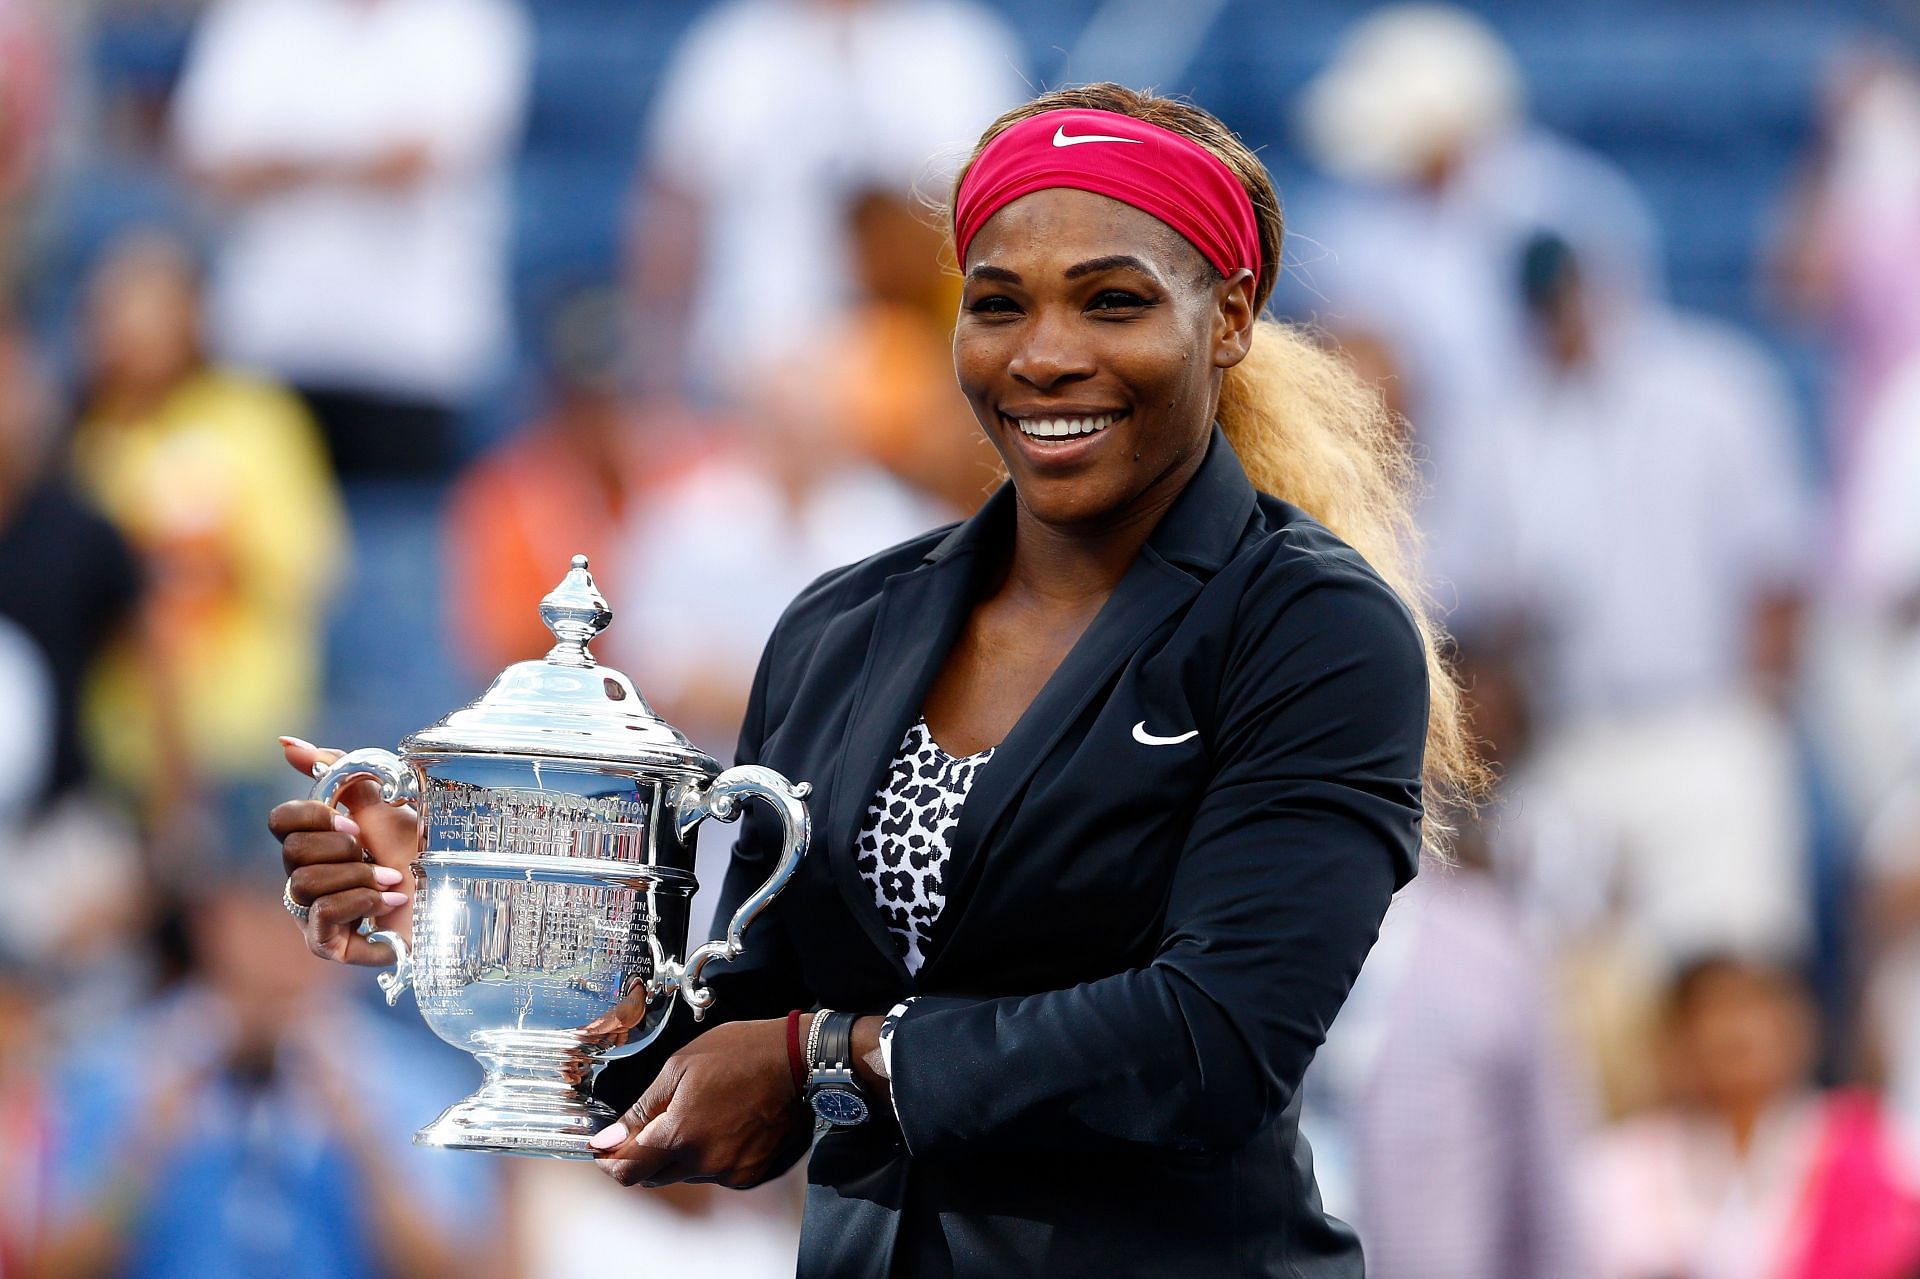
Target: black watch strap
836,1042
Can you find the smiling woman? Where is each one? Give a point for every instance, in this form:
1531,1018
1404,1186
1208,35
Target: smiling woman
1113,781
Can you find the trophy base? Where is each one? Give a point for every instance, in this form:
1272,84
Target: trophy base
526,1107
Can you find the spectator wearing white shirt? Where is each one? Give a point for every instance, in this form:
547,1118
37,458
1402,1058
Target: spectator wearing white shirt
360,147
774,114
1647,532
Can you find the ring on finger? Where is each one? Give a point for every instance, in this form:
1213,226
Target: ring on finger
294,908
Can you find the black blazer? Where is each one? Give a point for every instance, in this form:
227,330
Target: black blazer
1143,943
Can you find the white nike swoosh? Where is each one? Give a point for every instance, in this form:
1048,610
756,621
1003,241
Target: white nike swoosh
1141,735
1062,139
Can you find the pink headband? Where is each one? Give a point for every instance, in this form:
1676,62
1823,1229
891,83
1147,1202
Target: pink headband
1155,170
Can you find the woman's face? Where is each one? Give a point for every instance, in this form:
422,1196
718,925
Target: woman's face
1746,1038
1091,342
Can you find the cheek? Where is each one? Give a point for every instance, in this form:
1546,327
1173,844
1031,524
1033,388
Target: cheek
1166,382
977,360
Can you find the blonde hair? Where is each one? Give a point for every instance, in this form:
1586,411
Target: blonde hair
1309,430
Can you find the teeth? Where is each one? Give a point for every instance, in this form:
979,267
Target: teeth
1048,428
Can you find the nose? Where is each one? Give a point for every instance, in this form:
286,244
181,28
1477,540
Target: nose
1051,353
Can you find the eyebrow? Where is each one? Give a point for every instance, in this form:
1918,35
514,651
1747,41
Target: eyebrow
1109,263
1074,272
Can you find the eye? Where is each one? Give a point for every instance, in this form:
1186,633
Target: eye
993,304
1118,300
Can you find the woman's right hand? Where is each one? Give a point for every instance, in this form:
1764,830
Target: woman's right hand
325,853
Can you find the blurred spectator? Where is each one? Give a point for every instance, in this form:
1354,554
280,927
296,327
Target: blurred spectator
773,114
1445,1108
1886,511
1850,258
221,483
1647,532
1456,1108
191,1142
1749,1171
564,487
714,558
1852,251
884,375
69,586
67,578
1420,115
1870,634
361,148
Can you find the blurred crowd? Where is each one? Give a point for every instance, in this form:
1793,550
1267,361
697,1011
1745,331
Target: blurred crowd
291,442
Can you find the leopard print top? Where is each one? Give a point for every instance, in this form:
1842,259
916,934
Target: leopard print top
902,849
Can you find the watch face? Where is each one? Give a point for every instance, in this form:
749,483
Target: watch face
839,1106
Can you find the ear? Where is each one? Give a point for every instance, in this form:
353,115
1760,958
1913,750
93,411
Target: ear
1233,319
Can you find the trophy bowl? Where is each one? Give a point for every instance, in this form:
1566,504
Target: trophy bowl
553,881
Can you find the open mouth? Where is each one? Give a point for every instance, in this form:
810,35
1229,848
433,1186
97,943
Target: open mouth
1064,428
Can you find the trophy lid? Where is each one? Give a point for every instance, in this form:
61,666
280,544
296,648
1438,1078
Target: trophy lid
566,704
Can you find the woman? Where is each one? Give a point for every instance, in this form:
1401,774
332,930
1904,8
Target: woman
1083,992
1749,1169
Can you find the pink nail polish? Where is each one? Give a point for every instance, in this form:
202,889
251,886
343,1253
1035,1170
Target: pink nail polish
301,742
387,876
609,1137
393,899
346,825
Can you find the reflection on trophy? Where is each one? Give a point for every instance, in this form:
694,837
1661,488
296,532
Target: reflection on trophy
553,881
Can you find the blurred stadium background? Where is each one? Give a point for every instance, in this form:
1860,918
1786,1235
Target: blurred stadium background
334,326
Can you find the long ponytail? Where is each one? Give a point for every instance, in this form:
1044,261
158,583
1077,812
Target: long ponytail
1310,430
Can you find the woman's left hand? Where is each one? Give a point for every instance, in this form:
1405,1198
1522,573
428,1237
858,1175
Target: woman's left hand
721,1109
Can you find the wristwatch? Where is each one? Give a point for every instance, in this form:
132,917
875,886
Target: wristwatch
831,1088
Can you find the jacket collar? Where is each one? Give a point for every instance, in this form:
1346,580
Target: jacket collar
1199,531
920,615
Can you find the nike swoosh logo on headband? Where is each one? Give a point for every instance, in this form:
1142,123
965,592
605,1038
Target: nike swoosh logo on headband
1061,138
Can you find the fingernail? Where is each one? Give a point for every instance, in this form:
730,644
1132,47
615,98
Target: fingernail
301,742
393,899
387,876
346,825
609,1137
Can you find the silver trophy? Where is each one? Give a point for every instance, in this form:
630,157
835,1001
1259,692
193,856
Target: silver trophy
554,879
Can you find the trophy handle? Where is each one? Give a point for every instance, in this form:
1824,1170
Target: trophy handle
399,785
721,798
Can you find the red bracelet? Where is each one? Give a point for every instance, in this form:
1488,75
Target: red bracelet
795,1062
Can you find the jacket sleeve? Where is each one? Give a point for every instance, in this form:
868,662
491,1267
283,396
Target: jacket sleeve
765,980
1308,825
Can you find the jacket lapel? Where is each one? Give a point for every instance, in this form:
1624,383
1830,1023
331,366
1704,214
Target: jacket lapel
919,617
1193,540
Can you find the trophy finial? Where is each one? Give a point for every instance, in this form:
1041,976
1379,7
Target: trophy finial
575,612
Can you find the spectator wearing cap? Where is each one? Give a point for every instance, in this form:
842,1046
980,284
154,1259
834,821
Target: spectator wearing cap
1439,178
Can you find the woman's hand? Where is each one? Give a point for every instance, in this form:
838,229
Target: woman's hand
328,871
721,1109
